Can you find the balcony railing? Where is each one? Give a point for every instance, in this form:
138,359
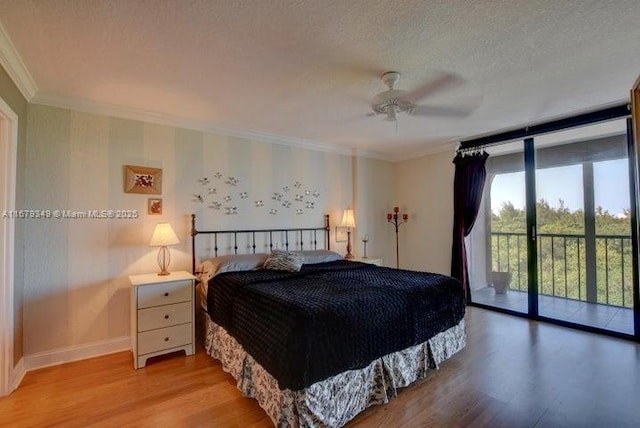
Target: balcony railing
563,270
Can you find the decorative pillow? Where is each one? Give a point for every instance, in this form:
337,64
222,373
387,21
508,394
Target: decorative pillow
284,260
319,256
230,263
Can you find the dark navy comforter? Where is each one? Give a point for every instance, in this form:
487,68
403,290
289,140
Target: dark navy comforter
306,326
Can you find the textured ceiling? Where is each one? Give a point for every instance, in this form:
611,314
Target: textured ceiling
306,70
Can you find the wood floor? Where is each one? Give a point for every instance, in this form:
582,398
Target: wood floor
513,373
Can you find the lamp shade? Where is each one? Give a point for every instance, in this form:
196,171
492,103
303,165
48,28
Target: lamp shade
347,218
163,235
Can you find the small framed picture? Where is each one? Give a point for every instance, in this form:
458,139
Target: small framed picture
142,179
154,206
341,234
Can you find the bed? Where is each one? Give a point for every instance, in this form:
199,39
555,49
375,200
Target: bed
317,343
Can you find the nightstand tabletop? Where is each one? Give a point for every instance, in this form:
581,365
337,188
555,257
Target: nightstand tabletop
154,278
371,260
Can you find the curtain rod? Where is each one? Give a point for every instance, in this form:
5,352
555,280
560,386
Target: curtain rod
609,113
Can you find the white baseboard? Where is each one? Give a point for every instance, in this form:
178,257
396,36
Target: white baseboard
17,374
75,353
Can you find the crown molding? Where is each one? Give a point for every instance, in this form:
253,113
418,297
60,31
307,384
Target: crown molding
14,66
84,105
371,154
447,146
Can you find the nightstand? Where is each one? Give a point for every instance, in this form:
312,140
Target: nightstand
162,315
371,260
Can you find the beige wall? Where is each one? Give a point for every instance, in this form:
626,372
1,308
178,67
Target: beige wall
76,288
12,96
374,195
424,190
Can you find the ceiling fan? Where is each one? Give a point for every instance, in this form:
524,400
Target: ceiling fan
393,102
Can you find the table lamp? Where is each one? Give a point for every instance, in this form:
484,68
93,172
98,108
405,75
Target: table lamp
349,222
163,236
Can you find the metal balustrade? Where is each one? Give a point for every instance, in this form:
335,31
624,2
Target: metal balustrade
562,265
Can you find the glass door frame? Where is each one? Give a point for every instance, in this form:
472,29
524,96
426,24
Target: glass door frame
527,136
532,225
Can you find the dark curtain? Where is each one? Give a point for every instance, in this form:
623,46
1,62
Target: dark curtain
468,185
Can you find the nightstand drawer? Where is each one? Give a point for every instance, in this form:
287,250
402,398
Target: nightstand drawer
164,294
164,338
164,316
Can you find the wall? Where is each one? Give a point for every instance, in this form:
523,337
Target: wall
76,287
12,96
424,190
374,196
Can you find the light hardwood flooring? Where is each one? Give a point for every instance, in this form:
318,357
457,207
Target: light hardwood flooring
512,373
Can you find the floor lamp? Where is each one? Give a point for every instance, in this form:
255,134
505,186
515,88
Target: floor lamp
393,218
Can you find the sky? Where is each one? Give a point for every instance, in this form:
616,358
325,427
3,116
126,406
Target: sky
611,181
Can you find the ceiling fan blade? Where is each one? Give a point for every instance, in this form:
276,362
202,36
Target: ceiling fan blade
431,86
443,111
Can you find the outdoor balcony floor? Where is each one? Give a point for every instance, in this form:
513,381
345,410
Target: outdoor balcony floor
607,317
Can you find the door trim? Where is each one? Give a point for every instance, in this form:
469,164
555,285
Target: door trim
8,151
532,225
633,135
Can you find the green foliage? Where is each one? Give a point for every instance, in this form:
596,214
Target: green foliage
561,247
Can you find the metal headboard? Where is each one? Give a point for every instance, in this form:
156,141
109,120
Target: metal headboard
296,233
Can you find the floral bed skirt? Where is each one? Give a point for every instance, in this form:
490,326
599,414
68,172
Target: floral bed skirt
338,399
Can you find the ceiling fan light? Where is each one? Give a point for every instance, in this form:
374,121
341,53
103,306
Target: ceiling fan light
392,102
391,114
385,105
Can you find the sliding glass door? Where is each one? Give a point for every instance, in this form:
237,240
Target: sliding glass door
567,254
583,216
497,245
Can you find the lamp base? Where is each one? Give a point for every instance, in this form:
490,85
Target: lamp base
164,258
348,256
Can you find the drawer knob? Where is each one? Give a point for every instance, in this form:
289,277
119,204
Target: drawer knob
166,294
166,339
166,317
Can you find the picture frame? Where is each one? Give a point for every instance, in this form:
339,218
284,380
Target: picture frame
154,206
142,179
341,234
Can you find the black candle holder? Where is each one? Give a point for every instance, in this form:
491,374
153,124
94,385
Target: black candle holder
365,239
394,219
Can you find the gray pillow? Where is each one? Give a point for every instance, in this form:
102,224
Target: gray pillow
319,256
229,263
284,260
